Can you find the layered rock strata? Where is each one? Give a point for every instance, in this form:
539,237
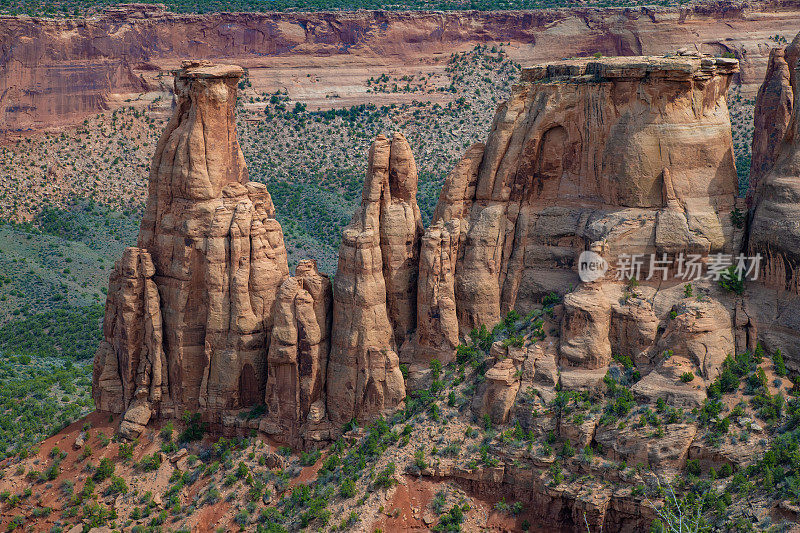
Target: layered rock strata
772,305
56,71
617,156
627,155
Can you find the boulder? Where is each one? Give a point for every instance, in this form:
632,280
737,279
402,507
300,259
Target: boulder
496,395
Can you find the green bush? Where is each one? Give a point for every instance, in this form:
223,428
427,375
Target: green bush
385,477
780,366
348,488
732,281
104,469
195,427
117,486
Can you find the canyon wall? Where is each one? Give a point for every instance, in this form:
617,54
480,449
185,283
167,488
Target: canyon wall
56,71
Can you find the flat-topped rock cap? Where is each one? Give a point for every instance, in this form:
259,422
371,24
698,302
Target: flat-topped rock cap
592,69
207,69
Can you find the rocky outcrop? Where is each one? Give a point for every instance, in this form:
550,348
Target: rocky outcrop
130,365
400,232
218,251
696,341
364,378
773,232
203,315
438,330
298,354
616,156
655,177
189,312
496,395
771,116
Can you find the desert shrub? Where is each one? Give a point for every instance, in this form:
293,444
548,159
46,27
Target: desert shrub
385,477
104,470
195,427
732,281
777,360
348,488
117,486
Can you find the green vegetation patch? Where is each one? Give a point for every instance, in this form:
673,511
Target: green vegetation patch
39,396
70,333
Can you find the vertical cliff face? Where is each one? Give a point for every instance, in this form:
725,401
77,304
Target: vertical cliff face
631,155
210,260
57,71
772,187
617,156
364,376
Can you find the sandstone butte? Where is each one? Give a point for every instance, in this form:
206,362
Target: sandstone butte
58,71
617,155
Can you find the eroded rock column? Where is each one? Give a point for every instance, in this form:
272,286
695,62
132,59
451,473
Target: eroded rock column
364,378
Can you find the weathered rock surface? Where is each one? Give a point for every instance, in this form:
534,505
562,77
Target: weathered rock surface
364,378
130,366
496,395
656,177
437,313
189,312
400,232
218,251
298,353
772,304
771,116
635,446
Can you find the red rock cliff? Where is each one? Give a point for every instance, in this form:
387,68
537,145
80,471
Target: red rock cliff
54,71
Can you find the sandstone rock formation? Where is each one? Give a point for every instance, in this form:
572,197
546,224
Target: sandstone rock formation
437,332
130,365
363,371
203,315
773,230
617,156
298,354
771,116
210,260
218,251
656,176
